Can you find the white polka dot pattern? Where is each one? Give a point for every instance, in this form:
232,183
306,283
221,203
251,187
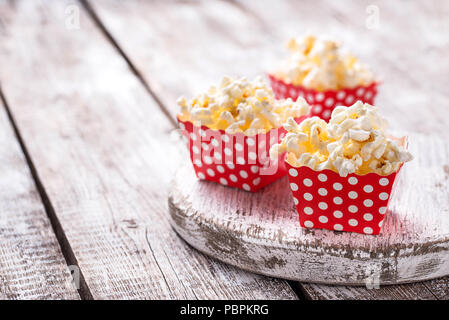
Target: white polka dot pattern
328,201
308,196
338,227
383,196
322,191
243,174
337,186
308,224
308,210
338,200
323,219
352,195
338,214
234,160
307,182
324,102
322,177
322,205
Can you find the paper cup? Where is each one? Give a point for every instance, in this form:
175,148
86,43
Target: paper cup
234,160
355,203
325,200
323,103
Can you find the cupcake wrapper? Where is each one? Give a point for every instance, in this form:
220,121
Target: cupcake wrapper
323,103
235,160
325,200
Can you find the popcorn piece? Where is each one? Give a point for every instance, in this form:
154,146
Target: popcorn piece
238,105
321,63
359,135
354,141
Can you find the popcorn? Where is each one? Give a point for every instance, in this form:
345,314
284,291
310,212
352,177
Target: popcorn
354,141
239,105
320,63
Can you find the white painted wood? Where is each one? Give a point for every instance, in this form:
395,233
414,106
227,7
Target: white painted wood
105,156
246,37
31,262
260,232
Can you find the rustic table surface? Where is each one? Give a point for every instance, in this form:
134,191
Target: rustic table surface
87,126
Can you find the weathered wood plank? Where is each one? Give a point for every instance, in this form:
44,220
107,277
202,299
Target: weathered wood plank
193,43
105,157
247,37
31,262
408,79
439,288
388,49
397,292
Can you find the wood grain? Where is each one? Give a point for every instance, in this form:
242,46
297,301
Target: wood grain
105,155
404,95
260,232
193,43
247,38
31,263
408,76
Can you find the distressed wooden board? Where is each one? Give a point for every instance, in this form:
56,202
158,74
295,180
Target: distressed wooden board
228,37
193,43
246,38
412,291
105,156
404,97
260,232
31,263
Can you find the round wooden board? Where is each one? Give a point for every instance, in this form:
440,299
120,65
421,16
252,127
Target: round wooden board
260,231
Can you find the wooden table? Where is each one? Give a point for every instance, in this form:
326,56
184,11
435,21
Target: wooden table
87,126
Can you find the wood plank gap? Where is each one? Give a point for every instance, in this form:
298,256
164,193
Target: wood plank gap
66,249
133,68
293,285
298,290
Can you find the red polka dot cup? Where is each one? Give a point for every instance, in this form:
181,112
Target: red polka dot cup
325,200
323,103
355,203
235,160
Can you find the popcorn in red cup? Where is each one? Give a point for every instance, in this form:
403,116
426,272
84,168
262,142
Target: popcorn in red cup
322,72
342,173
230,130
